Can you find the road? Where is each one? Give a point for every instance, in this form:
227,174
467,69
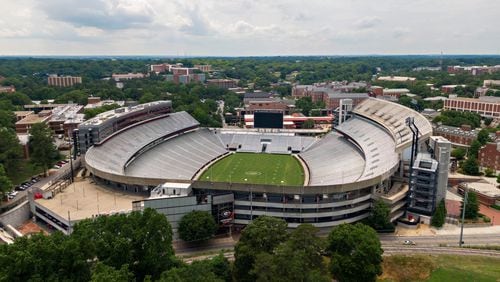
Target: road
392,243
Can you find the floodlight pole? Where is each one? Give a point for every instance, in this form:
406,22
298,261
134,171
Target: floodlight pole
466,195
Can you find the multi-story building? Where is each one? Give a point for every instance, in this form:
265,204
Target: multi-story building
127,76
380,92
397,78
473,70
65,119
429,177
185,75
490,83
204,68
489,154
105,124
329,96
448,89
25,124
485,106
63,81
7,89
459,136
223,83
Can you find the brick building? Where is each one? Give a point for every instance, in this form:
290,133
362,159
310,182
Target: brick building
204,68
473,70
63,81
457,135
484,106
126,76
329,96
223,83
25,124
7,89
489,155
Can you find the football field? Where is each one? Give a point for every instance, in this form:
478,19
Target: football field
257,169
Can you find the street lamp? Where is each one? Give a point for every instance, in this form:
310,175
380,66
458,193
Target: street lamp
466,194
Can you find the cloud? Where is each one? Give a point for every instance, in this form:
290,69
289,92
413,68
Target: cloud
400,32
368,22
196,24
248,27
101,14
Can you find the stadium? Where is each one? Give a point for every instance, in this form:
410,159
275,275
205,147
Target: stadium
240,174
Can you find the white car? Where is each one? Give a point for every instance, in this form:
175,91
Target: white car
408,242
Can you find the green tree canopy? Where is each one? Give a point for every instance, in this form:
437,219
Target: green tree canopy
262,235
439,216
472,207
5,183
10,151
216,269
471,166
483,136
104,273
197,226
297,259
356,253
305,105
141,240
458,153
379,218
42,151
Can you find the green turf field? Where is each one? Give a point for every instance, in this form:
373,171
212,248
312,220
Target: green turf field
256,169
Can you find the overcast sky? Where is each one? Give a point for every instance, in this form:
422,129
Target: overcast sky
248,27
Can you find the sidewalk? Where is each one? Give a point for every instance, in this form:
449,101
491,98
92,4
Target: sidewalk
450,229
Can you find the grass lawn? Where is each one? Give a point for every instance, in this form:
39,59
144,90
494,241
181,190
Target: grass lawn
440,268
256,169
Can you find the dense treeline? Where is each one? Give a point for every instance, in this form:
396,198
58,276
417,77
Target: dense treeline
454,118
138,247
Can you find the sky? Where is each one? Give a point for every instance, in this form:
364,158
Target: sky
249,27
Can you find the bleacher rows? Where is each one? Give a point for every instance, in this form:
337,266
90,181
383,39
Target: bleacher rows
377,145
393,116
178,158
121,147
277,144
333,160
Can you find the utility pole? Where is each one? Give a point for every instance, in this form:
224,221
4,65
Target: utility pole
463,217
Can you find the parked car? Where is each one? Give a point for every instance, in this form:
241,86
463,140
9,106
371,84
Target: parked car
408,242
57,166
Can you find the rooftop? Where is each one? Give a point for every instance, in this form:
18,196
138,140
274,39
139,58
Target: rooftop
100,118
83,200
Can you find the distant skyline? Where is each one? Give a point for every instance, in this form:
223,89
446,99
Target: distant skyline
248,27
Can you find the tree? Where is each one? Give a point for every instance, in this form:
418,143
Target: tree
305,104
5,183
42,151
458,153
107,245
379,218
471,166
474,149
483,136
197,226
489,172
439,215
356,253
261,236
472,207
142,240
498,178
147,97
104,273
10,150
308,124
297,259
